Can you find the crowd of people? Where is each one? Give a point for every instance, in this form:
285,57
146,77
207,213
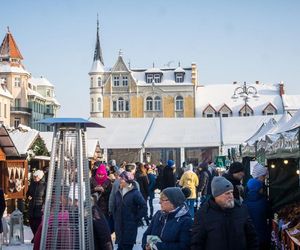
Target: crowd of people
199,207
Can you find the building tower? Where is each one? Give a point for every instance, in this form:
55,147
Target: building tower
97,74
15,76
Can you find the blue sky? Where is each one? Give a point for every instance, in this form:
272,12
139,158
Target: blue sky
229,40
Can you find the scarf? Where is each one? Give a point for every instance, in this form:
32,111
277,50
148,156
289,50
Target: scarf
101,170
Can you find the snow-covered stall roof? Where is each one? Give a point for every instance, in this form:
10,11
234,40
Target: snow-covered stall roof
23,140
187,132
6,143
217,95
174,132
91,147
47,138
120,133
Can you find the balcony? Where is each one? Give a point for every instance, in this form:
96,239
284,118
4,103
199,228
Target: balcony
21,110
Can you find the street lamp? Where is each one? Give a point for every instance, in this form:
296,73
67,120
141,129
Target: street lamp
245,92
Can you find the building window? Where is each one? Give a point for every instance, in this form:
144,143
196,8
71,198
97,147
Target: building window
179,103
3,80
149,78
114,105
48,93
270,113
99,104
209,115
17,81
48,109
225,115
17,122
179,77
127,105
5,114
99,81
92,104
116,81
0,109
157,103
149,103
125,80
91,81
121,104
17,102
157,78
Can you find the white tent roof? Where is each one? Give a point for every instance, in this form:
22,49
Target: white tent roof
23,140
294,122
174,132
91,147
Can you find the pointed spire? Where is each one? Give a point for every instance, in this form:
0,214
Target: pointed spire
120,52
98,51
9,48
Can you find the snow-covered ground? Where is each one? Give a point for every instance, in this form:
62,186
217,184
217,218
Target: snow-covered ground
28,234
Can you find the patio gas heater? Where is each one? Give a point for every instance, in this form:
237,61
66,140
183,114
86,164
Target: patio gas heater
67,221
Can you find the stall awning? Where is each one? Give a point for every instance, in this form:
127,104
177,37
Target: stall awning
6,143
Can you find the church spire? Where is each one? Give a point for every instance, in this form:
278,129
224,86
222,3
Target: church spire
98,51
9,48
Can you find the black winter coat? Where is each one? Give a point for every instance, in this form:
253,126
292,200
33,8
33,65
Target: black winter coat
168,178
128,212
229,229
237,187
2,208
37,191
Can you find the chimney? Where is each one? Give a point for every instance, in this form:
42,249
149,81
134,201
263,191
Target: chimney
281,88
256,82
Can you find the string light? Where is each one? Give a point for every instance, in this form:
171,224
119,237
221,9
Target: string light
285,162
298,172
272,165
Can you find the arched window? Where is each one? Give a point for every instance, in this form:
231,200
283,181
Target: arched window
92,104
157,103
179,103
121,104
91,81
99,104
149,103
99,81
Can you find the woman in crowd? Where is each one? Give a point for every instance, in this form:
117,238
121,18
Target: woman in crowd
151,187
101,184
130,207
36,197
258,210
170,226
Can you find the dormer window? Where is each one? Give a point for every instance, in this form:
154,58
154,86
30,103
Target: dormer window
125,80
179,77
149,78
116,81
209,111
99,81
157,78
270,109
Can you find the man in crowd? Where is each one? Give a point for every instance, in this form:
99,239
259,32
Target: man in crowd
223,223
235,175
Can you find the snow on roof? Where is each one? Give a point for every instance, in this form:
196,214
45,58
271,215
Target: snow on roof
5,92
262,131
7,68
291,102
34,93
179,70
23,140
153,70
294,122
168,77
47,138
91,147
41,81
97,66
6,143
174,132
219,94
120,133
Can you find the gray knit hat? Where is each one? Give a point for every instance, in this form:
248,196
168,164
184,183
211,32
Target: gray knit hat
175,196
220,185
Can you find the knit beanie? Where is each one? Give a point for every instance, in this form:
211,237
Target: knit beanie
236,167
259,170
220,185
127,176
254,185
175,196
170,163
39,173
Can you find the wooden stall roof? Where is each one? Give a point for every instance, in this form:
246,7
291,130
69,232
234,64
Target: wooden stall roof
6,143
